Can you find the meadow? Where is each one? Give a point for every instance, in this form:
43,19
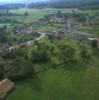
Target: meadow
71,81
36,14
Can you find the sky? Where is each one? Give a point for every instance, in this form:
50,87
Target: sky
29,1
20,1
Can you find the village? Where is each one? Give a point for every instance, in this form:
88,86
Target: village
54,26
66,29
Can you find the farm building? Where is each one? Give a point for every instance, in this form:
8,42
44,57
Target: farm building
5,87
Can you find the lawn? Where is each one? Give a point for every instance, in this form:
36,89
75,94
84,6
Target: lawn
72,81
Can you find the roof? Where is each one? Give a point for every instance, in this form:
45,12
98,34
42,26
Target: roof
5,86
56,19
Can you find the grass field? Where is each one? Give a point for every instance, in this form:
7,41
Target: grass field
50,10
50,27
36,14
90,29
72,81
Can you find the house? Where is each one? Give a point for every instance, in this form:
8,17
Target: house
14,47
5,66
24,30
44,21
56,34
92,21
56,20
96,22
5,87
72,21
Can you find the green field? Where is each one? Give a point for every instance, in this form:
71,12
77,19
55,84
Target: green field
36,14
71,81
90,29
49,10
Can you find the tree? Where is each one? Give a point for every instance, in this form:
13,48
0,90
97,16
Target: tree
25,66
2,72
26,14
82,17
85,55
7,35
29,50
74,13
40,55
59,13
66,53
94,43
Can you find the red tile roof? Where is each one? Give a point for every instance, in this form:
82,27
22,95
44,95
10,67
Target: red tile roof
5,86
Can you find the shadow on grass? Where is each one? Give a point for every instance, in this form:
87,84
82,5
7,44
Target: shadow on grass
61,93
34,82
74,66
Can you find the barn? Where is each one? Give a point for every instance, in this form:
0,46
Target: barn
5,87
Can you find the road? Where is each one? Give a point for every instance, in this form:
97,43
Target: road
42,35
10,48
75,32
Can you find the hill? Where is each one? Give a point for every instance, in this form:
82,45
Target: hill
65,3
